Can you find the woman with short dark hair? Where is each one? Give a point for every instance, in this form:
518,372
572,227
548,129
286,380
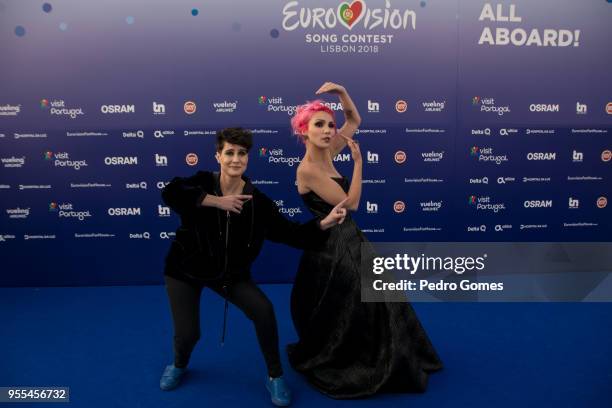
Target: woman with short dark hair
224,222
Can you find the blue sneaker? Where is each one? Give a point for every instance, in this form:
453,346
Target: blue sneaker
279,392
171,377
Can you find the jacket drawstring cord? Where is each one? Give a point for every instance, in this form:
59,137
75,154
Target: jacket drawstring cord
225,307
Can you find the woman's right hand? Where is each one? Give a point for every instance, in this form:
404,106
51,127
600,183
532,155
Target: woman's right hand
330,87
232,203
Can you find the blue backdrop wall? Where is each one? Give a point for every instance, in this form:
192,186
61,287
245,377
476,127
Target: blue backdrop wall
482,121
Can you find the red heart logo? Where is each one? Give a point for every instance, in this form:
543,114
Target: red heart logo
350,14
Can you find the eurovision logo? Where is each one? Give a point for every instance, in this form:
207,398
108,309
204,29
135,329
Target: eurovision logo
348,15
321,25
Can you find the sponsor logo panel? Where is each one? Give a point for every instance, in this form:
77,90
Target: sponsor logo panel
10,110
117,109
486,203
68,210
159,108
58,107
277,156
288,211
63,160
190,107
490,106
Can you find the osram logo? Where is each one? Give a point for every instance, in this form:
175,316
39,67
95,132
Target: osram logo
541,156
123,212
121,161
117,109
538,204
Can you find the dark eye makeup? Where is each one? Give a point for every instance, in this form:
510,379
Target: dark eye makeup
321,123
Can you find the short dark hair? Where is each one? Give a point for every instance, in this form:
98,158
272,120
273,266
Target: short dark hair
237,136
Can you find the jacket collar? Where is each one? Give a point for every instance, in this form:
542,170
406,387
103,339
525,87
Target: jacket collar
249,188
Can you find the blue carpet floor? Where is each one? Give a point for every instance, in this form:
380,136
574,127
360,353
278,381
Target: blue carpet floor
110,344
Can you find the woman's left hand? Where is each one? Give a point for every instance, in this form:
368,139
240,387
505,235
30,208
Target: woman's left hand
335,216
330,87
354,146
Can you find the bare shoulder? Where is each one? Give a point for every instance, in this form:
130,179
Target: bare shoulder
305,170
305,176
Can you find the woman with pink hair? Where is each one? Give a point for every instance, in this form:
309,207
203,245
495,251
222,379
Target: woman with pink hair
346,348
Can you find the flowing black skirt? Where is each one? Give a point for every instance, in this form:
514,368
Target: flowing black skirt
348,348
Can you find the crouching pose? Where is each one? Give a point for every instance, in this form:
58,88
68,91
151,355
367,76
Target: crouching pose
224,221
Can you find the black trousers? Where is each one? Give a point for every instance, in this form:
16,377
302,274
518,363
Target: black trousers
185,305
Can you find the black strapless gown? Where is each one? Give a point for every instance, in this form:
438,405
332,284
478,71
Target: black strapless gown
346,348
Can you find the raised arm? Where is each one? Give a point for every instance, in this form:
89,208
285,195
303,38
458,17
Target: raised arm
352,120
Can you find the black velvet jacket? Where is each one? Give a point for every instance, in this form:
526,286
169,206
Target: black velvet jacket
215,245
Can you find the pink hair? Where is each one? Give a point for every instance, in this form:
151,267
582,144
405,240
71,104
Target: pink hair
303,114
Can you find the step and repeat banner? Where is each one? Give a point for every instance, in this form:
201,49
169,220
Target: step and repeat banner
482,121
